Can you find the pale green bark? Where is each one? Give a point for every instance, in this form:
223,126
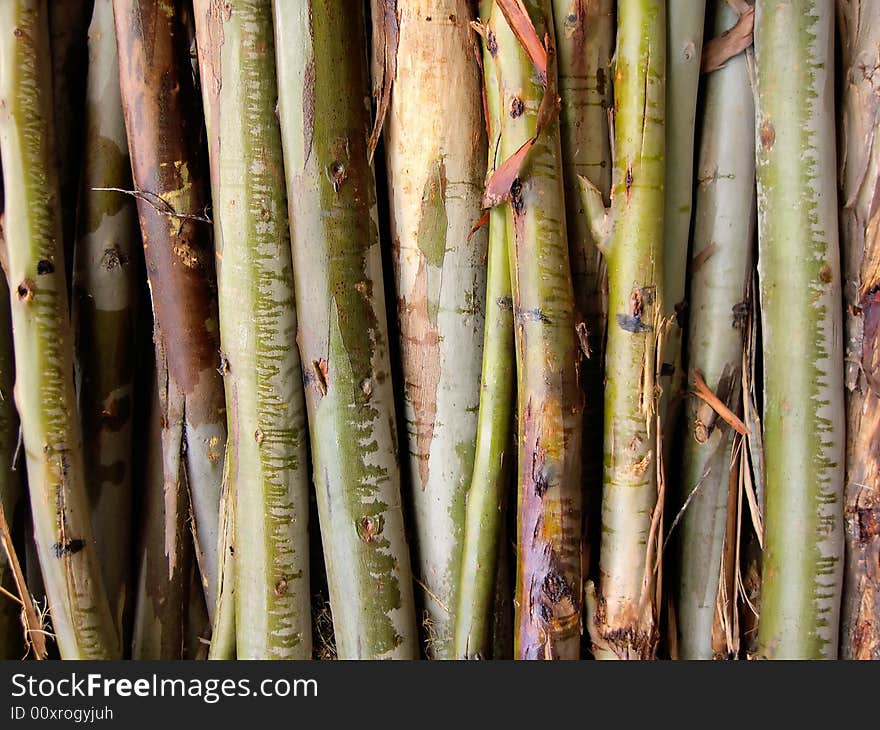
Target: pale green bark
484,518
44,391
684,45
622,620
324,109
721,264
802,330
268,472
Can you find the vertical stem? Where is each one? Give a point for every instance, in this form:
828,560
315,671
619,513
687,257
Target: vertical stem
436,158
720,272
268,473
860,228
323,100
164,127
684,45
585,43
799,273
105,292
623,622
44,390
484,516
549,400
11,492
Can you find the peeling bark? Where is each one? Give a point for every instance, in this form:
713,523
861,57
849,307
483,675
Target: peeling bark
859,179
436,156
548,593
163,124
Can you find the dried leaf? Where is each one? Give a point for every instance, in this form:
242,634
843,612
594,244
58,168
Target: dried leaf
521,24
731,42
705,393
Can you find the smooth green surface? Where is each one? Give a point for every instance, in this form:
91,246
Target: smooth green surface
492,459
802,330
724,211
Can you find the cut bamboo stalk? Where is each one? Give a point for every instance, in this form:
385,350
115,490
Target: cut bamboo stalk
860,227
343,331
684,45
548,592
436,158
105,294
162,119
484,516
585,43
11,492
43,340
799,271
268,476
720,267
623,610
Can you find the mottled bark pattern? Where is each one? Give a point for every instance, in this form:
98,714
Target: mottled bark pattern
436,162
268,469
799,270
105,293
549,399
44,391
343,335
859,26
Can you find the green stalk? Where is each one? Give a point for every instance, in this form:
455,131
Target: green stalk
585,43
484,515
802,329
11,493
860,227
436,163
43,340
268,470
164,553
105,293
720,268
343,333
549,400
162,119
684,45
624,611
